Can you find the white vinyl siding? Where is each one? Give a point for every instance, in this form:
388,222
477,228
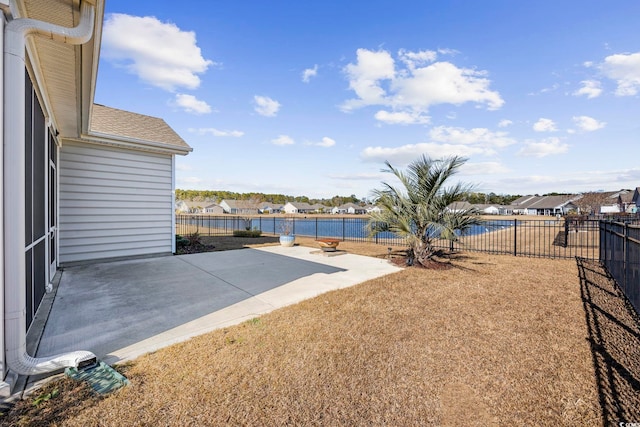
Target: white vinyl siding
113,203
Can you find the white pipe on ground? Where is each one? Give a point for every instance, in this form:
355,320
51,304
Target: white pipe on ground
16,32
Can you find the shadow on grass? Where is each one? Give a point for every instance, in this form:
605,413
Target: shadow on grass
614,335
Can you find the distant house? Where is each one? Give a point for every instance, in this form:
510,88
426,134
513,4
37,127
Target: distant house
298,208
372,208
270,208
519,206
353,209
488,209
189,206
213,208
634,206
628,201
459,207
544,205
319,208
239,207
181,206
338,210
620,201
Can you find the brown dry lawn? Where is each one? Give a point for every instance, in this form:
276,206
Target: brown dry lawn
494,340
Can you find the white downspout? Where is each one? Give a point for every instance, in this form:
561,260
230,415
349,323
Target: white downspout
16,31
173,204
3,366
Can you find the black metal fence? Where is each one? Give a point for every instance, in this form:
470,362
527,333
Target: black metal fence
533,238
620,254
562,238
345,228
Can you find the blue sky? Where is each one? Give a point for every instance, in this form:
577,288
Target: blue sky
311,98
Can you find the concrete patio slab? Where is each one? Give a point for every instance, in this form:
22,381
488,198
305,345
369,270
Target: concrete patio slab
121,310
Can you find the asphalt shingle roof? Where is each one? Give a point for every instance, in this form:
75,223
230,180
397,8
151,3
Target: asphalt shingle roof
112,121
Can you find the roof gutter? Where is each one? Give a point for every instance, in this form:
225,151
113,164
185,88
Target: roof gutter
16,32
133,143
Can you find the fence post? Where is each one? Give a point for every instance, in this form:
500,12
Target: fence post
625,257
603,242
515,237
343,229
316,228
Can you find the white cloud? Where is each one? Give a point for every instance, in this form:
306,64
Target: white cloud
587,123
504,123
412,59
326,142
190,180
544,125
484,168
444,83
266,106
365,77
159,53
309,72
191,104
358,176
401,117
590,88
283,140
445,141
216,132
625,70
543,148
405,154
416,87
478,136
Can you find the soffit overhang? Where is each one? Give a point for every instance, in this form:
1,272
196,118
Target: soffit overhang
64,74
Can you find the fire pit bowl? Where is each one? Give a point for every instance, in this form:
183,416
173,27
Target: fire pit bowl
328,245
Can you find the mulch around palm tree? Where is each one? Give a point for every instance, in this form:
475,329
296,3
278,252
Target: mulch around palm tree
494,340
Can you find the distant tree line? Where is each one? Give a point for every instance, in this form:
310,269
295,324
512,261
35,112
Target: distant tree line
216,196
490,199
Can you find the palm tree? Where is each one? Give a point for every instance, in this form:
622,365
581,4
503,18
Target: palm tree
418,210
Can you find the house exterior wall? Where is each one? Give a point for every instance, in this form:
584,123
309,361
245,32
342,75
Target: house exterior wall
290,208
214,209
113,203
610,208
225,206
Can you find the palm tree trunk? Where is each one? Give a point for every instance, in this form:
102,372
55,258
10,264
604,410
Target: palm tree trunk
420,252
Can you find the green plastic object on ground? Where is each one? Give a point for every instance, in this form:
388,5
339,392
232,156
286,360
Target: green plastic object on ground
101,377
